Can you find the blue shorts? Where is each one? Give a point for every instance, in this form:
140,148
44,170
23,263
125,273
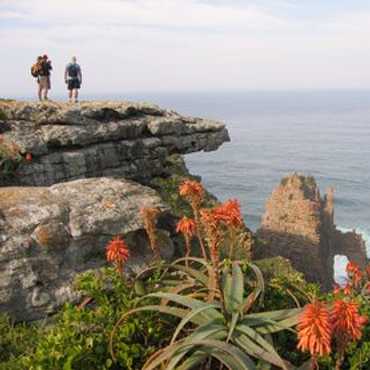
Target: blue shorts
73,84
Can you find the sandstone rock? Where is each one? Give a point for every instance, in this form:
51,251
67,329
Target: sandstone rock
49,234
299,225
94,139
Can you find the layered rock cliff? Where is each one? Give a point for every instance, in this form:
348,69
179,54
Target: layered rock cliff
299,224
78,192
124,139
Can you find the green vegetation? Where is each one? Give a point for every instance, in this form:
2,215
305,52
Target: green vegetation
199,313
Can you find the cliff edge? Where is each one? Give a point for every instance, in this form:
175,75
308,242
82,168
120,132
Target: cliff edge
95,139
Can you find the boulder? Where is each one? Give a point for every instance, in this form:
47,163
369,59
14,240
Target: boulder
49,234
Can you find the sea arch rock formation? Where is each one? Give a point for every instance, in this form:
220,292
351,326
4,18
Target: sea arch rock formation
299,224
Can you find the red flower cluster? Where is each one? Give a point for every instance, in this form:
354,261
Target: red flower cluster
187,226
347,321
192,191
315,330
318,326
117,251
354,273
229,214
29,157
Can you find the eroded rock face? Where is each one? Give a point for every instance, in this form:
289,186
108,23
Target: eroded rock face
94,139
49,234
298,224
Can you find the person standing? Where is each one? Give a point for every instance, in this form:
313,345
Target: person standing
73,79
42,70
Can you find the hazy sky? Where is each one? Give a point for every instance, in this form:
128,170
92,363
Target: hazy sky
167,45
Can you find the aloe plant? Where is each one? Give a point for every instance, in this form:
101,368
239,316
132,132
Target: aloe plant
226,329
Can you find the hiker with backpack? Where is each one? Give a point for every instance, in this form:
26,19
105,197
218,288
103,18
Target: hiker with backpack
73,79
41,70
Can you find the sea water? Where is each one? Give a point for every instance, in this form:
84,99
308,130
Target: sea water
324,133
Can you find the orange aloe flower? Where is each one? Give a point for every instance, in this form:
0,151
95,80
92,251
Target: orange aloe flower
229,213
192,191
336,289
347,290
354,273
117,252
186,226
347,321
368,271
315,330
150,216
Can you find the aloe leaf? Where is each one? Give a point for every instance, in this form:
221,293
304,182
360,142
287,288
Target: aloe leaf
234,321
276,326
195,359
211,331
276,315
260,280
177,289
189,318
233,288
196,274
227,354
188,302
262,348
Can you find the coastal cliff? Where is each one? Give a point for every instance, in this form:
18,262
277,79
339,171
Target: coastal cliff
124,139
298,224
89,171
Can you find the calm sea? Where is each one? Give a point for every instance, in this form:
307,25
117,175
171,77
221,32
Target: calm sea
325,134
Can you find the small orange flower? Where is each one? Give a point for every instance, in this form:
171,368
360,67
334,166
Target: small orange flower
336,289
186,226
347,290
315,330
29,157
354,273
150,216
368,271
117,251
192,191
347,321
229,213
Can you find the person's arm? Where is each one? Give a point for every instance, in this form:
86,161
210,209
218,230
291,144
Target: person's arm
80,74
66,74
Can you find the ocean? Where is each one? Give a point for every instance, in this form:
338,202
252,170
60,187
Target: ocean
325,134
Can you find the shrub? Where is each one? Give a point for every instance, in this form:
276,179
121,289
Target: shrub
79,338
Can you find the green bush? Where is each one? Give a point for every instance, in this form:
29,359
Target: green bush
80,336
16,341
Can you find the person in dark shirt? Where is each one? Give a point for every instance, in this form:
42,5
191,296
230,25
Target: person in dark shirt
44,78
73,79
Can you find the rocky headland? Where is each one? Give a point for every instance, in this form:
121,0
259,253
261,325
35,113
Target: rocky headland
299,224
83,173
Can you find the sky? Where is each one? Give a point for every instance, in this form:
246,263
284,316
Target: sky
187,45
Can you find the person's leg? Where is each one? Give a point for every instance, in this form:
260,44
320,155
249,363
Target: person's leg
39,92
76,95
70,94
47,87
